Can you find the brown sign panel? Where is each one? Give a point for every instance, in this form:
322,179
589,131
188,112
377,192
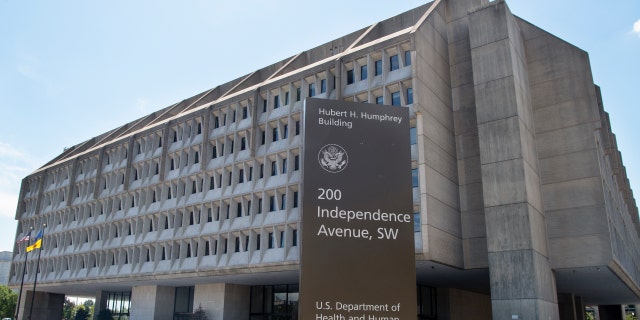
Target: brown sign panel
357,248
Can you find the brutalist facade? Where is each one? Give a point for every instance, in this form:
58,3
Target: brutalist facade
522,205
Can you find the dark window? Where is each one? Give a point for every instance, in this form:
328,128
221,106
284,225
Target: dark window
258,237
274,169
259,205
296,163
378,66
394,62
274,134
415,180
312,89
250,177
263,136
216,122
286,98
243,143
350,77
264,105
409,95
283,202
323,85
298,94
379,100
231,147
363,72
407,58
199,128
271,241
272,203
395,98
294,237
241,176
233,116
281,239
297,127
245,112
276,102
261,171
214,152
239,210
284,165
285,131
295,199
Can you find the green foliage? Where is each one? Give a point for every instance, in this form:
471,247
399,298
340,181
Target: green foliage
68,308
105,314
199,314
8,301
81,313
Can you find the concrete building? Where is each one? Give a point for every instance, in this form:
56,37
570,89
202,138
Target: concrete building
5,266
523,207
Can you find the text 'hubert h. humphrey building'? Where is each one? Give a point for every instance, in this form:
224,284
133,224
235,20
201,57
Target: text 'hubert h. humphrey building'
522,206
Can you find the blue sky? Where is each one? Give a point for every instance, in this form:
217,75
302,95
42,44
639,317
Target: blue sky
70,70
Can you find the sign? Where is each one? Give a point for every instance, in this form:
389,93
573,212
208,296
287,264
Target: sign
357,248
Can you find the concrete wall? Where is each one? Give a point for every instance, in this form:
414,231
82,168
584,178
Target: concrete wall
152,303
46,306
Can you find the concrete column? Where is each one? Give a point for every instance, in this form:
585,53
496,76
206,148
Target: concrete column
223,301
566,306
611,312
521,279
152,303
46,306
101,302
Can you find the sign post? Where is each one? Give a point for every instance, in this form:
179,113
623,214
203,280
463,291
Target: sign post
357,248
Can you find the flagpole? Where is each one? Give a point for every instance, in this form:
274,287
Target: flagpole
24,269
35,280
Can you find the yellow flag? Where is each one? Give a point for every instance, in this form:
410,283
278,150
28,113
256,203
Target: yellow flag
35,245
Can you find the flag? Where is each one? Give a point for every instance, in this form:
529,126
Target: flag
23,239
38,242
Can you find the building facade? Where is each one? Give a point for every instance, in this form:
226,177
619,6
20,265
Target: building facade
522,205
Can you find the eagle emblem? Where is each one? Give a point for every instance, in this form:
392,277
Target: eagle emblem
333,158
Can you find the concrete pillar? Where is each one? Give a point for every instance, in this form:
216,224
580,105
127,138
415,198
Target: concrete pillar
223,300
566,306
152,303
101,302
521,279
611,312
46,306
579,307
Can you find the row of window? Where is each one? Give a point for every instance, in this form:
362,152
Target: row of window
247,241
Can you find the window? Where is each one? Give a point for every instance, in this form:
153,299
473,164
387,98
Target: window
245,112
216,122
363,72
285,131
250,177
312,89
409,95
379,100
231,147
284,165
261,170
395,98
295,199
407,58
297,127
294,237
276,102
296,163
241,176
264,106
323,85
281,239
350,77
233,116
243,143
274,169
413,135
283,201
415,180
258,242
239,210
378,66
271,241
298,94
394,62
259,205
263,136
272,203
214,152
416,222
286,98
274,134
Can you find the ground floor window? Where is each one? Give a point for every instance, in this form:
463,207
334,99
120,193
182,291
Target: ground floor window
183,304
119,303
427,303
278,302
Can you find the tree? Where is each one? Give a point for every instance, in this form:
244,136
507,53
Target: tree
199,314
88,305
81,313
8,301
67,308
105,314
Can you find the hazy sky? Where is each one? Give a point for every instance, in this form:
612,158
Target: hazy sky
71,70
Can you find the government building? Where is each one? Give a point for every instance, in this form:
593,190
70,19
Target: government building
522,207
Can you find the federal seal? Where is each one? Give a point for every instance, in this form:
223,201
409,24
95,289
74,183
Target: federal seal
333,158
